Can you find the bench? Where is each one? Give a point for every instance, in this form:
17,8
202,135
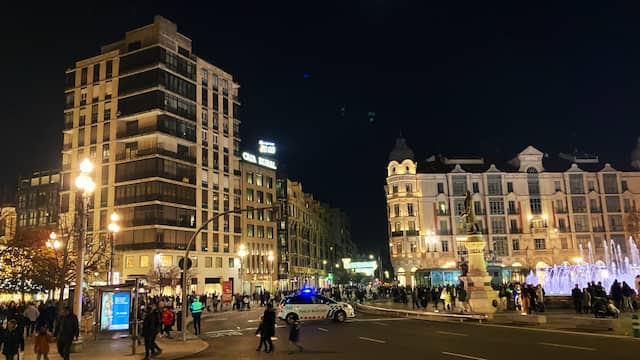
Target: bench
532,319
592,323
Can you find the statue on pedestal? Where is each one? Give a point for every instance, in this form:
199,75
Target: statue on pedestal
467,217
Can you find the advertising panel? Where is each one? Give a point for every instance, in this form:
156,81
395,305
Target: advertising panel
114,314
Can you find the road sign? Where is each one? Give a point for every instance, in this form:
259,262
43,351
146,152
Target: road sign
181,264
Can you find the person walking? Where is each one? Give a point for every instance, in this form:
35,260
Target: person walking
168,318
41,343
12,341
67,329
294,336
149,329
31,314
196,312
269,323
262,332
586,300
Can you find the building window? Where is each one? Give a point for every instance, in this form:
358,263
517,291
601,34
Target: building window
576,184
414,247
579,204
144,261
410,209
208,262
396,210
591,185
496,206
250,229
398,227
398,248
83,76
515,244
131,262
610,182
218,262
477,207
557,186
395,189
623,185
408,188
412,226
500,246
498,225
258,179
563,243
509,187
440,187
613,203
476,187
249,178
494,184
459,183
445,245
536,206
540,244
231,263
166,260
249,194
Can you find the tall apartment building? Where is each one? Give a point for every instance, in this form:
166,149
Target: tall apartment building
39,201
7,224
535,209
312,238
161,126
259,227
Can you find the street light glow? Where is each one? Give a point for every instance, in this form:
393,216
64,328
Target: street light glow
86,166
242,252
53,235
114,228
270,256
370,257
114,216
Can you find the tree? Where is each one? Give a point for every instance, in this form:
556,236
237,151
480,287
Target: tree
163,276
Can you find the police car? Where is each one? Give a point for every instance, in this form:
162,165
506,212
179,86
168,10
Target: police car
310,306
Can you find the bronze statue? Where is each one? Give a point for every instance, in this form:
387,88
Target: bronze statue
467,217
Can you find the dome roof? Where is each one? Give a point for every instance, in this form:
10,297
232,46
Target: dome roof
401,151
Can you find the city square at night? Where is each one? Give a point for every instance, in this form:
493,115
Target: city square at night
320,180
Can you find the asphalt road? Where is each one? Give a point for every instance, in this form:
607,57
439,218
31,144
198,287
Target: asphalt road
232,336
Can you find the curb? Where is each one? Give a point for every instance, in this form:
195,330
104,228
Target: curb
420,315
204,346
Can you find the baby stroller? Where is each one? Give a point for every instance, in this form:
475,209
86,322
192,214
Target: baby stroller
602,309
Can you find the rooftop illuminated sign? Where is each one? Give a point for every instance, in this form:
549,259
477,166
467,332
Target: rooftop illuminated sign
268,163
266,147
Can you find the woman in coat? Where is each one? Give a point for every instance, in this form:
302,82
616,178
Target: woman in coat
12,340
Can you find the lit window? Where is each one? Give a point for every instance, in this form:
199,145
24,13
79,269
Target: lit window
144,261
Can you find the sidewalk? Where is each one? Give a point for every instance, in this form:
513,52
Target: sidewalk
555,319
120,348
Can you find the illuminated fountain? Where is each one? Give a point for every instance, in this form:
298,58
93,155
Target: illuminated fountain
560,279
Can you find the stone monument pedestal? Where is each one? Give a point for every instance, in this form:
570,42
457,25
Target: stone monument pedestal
477,282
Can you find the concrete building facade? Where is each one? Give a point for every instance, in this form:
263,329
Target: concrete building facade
534,209
38,201
259,227
161,126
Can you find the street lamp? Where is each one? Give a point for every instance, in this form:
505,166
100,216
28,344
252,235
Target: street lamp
370,256
113,229
270,259
53,242
85,184
242,253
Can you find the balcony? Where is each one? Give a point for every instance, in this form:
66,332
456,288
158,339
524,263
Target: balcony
512,211
580,210
515,231
443,213
412,233
444,232
564,229
616,228
397,233
188,135
596,210
561,210
582,229
599,229
155,151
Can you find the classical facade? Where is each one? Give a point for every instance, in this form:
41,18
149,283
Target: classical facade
259,227
161,126
534,209
312,238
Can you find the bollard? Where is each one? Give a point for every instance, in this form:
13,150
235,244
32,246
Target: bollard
635,323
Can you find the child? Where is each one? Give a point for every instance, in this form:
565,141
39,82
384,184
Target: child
294,335
41,343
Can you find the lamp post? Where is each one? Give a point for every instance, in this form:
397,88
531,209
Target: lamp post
270,259
113,229
87,186
242,252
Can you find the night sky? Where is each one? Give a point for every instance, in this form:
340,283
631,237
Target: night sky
457,80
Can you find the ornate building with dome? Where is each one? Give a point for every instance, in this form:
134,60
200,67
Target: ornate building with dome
533,209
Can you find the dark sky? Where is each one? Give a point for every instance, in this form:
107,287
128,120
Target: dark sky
470,78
